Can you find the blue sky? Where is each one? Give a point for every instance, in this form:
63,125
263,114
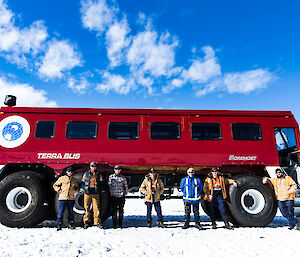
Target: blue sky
196,54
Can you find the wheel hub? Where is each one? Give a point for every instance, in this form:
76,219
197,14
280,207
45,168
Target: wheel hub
252,201
18,199
79,206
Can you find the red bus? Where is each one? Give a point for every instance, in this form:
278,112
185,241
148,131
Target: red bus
37,144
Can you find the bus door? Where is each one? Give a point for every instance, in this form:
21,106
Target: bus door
288,152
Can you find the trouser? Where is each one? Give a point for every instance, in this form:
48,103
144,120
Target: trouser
62,204
88,199
217,202
188,207
117,208
287,210
157,208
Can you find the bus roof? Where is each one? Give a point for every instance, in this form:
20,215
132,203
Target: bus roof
99,111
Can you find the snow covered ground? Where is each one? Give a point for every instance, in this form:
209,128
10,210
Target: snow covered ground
138,240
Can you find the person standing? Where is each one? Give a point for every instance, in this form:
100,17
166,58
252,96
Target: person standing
118,190
66,186
285,188
191,188
216,193
152,187
91,182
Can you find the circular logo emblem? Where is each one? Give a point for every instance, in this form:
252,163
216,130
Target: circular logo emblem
14,131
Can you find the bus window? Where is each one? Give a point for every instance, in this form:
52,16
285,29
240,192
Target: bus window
285,138
206,131
165,130
286,146
246,131
44,129
81,130
123,130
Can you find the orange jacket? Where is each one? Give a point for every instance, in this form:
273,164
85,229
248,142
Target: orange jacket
285,188
208,186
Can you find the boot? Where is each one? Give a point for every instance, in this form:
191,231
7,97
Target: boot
291,227
160,223
85,225
227,225
213,224
59,226
71,225
100,226
198,225
149,223
186,224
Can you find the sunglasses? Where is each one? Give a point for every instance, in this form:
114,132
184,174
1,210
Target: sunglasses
93,166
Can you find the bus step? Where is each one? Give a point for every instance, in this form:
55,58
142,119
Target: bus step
297,211
297,202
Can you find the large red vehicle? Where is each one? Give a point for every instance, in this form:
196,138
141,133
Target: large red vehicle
37,144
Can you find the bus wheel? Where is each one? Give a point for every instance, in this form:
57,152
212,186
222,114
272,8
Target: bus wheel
78,210
252,203
21,200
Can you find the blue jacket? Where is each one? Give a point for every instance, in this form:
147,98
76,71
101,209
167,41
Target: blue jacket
191,188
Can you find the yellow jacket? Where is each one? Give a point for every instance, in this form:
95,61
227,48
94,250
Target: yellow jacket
66,187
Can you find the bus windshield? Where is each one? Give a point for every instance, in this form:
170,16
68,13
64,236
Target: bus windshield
286,145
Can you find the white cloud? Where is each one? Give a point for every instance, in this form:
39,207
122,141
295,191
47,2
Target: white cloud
239,82
79,86
202,71
151,54
216,85
150,57
96,15
60,56
246,82
9,37
5,14
32,38
175,84
18,45
117,41
26,95
114,83
25,46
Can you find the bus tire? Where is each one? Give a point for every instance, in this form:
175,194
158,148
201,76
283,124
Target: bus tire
105,205
204,205
21,200
252,203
